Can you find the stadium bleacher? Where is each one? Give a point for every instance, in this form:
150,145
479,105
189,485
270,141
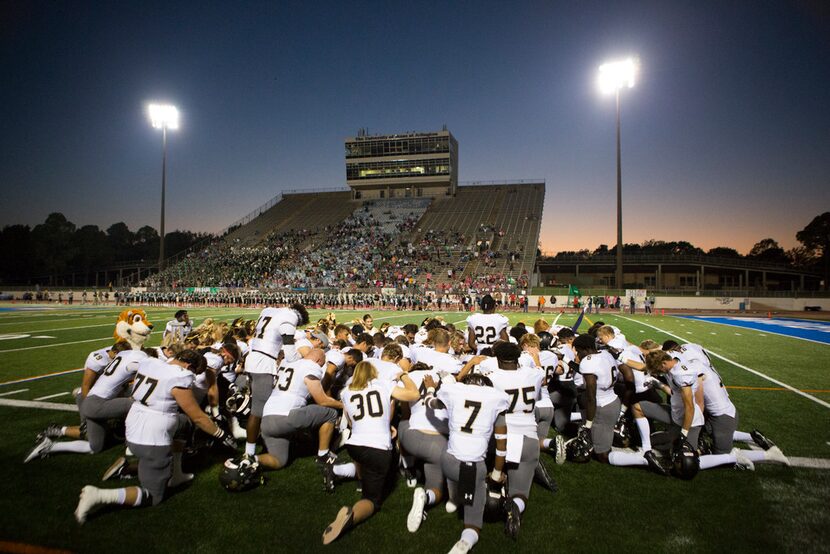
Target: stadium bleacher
483,237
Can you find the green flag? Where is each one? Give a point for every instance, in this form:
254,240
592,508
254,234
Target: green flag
573,291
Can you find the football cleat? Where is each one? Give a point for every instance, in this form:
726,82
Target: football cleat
116,469
561,453
461,547
655,463
451,507
741,461
411,477
512,520
327,469
88,500
761,440
53,431
40,450
544,478
180,479
774,454
342,522
416,513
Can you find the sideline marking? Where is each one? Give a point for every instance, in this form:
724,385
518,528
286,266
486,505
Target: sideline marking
13,392
736,364
38,405
736,323
47,397
36,377
739,387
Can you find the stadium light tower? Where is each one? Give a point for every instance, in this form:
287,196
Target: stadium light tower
164,117
614,76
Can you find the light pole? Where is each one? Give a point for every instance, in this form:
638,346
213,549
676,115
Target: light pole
614,76
163,116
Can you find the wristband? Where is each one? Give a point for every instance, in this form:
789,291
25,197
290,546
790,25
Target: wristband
501,453
589,424
684,432
623,409
499,436
496,475
430,391
219,433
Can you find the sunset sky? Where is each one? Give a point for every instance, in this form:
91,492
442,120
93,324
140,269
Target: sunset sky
725,137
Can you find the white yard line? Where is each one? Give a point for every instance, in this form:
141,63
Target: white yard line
736,364
816,463
13,392
37,377
109,338
38,405
47,397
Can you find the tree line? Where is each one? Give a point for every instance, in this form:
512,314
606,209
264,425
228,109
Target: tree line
57,247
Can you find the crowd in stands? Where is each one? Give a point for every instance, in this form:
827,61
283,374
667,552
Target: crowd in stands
377,246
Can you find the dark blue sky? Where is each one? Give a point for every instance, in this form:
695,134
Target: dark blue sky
726,137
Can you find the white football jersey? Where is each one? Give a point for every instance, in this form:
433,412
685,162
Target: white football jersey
523,386
472,412
118,373
291,391
487,328
684,374
439,361
272,324
336,358
604,367
98,360
716,399
422,418
549,362
178,329
370,411
695,352
634,354
387,371
152,419
619,342
568,355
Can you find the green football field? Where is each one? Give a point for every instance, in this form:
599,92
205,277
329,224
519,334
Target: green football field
598,508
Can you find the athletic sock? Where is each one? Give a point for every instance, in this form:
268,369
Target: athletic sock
321,453
63,430
547,443
755,456
139,498
715,460
470,536
645,432
78,447
345,470
626,459
430,498
519,503
250,448
741,436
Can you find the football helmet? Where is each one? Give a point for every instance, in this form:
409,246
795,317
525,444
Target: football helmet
579,449
494,503
545,340
239,403
685,461
240,474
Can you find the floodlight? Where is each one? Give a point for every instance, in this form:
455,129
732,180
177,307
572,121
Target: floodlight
164,116
616,75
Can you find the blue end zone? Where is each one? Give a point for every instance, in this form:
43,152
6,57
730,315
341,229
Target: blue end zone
816,331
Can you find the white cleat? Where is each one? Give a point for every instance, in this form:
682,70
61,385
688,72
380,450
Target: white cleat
416,514
88,500
774,454
741,461
40,450
560,454
451,507
461,547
